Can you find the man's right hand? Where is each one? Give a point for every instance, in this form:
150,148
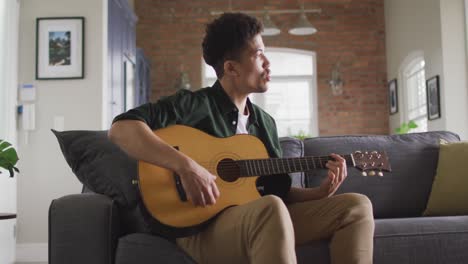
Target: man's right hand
138,141
198,183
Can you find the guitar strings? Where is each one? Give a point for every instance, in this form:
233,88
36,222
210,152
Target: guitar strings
275,162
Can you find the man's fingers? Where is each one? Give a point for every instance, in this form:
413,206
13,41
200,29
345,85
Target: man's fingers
331,178
196,199
215,189
209,197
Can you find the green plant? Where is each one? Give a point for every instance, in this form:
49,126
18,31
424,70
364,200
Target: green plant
301,135
8,157
406,127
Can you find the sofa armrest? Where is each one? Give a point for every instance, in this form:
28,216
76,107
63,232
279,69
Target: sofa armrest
83,228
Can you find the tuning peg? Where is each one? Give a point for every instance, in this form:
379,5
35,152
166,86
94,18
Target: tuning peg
364,173
371,173
380,174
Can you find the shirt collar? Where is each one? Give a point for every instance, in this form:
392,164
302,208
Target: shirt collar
226,105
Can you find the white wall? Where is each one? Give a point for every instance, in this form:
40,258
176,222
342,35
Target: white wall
454,86
8,84
411,27
434,28
9,15
44,172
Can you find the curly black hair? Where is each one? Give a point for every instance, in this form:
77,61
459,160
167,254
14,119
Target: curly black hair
225,38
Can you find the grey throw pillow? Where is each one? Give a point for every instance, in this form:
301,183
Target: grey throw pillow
100,164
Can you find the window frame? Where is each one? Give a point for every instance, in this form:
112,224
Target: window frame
406,67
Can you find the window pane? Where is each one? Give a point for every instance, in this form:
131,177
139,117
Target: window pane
209,71
417,67
416,94
289,63
289,103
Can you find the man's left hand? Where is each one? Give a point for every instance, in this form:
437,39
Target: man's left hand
337,173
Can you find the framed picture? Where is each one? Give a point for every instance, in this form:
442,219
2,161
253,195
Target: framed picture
393,96
433,98
59,48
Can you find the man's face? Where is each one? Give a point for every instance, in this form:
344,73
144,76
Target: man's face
254,67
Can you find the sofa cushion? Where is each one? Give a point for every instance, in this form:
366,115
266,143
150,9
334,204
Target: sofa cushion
401,193
145,248
293,148
428,240
100,165
450,185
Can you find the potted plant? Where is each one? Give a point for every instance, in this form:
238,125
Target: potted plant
406,127
8,157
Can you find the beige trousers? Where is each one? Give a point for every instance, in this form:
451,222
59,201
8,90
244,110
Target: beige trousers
266,231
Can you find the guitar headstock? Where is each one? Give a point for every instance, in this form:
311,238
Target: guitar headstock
370,162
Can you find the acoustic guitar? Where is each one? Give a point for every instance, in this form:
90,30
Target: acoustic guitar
237,161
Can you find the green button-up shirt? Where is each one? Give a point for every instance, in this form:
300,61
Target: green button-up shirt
210,110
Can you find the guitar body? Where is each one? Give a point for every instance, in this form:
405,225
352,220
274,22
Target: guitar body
158,185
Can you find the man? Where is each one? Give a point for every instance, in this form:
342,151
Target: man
267,229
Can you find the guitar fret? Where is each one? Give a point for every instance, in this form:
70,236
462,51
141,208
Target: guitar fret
307,164
263,167
300,164
267,165
254,168
294,166
242,170
259,167
247,165
282,163
277,166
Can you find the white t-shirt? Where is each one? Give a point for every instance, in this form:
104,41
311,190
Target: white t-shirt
242,121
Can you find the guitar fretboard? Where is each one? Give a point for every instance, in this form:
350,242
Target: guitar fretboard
257,167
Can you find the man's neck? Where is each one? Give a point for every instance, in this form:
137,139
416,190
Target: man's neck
238,97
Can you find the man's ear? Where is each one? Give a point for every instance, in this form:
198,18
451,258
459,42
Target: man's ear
230,68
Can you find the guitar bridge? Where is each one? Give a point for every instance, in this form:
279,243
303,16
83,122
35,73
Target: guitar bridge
180,188
178,184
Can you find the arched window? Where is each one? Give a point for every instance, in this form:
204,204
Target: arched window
415,91
292,95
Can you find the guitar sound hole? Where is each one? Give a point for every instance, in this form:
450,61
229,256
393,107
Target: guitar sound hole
228,170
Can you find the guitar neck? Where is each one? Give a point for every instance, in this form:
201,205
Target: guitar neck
258,167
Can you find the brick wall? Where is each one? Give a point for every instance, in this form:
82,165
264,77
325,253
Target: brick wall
351,31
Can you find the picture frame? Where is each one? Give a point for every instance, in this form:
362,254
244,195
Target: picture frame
60,48
393,96
433,98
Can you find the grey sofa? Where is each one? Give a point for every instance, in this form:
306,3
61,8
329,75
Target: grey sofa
92,228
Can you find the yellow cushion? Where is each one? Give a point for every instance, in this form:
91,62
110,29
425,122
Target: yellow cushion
449,194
